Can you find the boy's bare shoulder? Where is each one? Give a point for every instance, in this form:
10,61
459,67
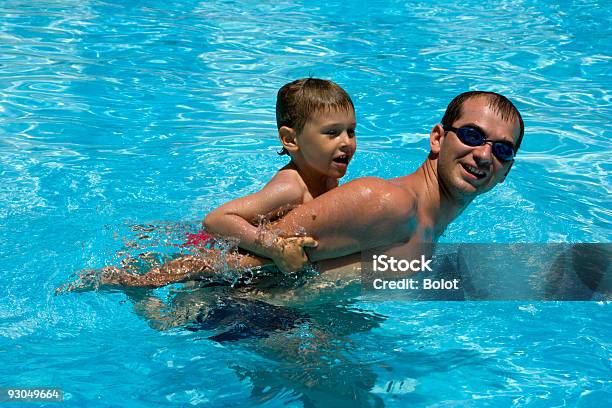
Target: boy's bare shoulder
288,177
287,182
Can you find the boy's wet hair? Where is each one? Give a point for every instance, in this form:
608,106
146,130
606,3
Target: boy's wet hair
297,101
497,102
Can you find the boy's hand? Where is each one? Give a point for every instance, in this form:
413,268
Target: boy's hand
289,255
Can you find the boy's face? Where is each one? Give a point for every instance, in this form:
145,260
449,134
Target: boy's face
327,142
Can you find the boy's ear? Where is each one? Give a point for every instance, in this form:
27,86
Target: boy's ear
287,138
435,138
506,174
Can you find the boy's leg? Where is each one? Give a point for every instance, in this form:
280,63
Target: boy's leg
183,268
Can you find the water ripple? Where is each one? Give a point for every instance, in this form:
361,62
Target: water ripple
130,112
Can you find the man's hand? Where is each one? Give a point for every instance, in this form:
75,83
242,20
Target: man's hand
288,253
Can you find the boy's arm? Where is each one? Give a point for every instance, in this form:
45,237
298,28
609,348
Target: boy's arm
236,218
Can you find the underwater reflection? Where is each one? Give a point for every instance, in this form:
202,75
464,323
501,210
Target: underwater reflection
301,332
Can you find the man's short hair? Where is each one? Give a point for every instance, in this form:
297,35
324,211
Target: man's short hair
297,101
497,102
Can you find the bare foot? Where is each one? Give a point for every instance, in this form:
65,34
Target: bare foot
96,279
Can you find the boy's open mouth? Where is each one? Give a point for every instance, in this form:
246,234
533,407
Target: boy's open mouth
344,159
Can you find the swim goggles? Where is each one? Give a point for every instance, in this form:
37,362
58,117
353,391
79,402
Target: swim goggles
473,137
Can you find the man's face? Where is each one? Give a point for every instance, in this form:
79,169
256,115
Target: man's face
469,171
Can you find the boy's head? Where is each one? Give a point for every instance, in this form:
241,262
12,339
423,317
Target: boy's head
300,100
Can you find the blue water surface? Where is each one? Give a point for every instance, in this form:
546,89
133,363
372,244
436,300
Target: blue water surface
122,117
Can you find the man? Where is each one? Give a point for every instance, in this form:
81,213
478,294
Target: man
471,151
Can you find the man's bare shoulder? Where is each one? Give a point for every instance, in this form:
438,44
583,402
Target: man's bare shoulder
390,196
364,185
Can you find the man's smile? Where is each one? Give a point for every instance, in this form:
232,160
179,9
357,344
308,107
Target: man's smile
477,173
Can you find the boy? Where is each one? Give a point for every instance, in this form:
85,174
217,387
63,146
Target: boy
316,126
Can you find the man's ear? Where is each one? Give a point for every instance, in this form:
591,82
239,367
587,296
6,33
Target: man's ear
507,171
435,138
287,138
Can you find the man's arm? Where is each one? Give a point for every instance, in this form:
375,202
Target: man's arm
362,214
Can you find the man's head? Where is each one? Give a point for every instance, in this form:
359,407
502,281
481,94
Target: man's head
316,125
476,142
497,102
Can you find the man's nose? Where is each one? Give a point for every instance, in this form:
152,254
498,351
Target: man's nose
484,154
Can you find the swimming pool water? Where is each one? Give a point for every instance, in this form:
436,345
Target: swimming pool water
117,114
